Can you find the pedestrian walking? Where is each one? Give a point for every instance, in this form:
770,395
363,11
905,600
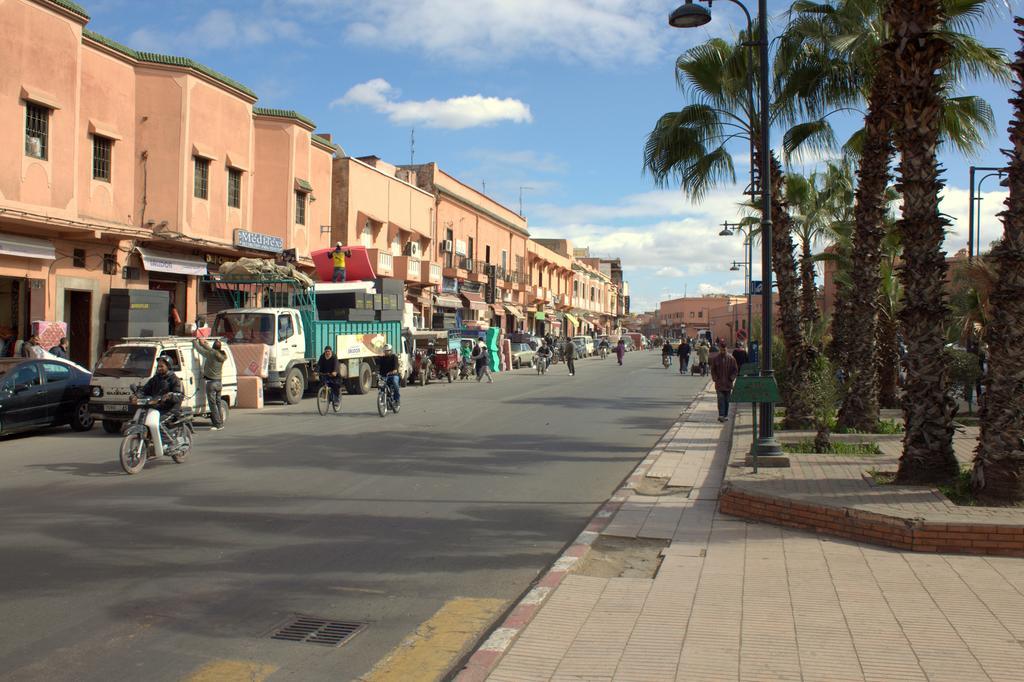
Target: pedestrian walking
723,372
483,367
740,354
32,349
61,349
620,350
570,356
212,372
684,355
703,351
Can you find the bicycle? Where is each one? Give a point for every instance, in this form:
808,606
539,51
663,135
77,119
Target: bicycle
324,404
385,398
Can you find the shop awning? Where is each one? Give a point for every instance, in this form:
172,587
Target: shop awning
539,315
474,300
514,311
160,261
447,301
497,310
573,319
26,247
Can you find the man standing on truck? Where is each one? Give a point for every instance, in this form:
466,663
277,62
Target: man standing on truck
387,366
213,365
338,258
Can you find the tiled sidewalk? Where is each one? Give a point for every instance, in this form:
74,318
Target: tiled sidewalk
743,601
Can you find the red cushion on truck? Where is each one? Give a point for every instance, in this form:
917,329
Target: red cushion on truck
357,265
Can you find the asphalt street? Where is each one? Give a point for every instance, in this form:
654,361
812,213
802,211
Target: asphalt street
469,493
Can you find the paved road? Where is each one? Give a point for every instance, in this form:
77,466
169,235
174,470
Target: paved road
469,493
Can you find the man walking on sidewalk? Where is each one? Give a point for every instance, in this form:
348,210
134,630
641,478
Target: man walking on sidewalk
212,370
569,353
723,372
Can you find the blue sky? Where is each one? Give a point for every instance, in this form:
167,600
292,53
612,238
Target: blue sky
554,95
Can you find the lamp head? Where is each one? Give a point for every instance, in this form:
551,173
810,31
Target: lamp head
726,232
734,268
689,15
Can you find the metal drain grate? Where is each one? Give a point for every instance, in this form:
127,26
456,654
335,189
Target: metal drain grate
317,631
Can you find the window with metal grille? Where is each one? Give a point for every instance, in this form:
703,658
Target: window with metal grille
78,258
37,130
300,207
234,188
201,188
101,153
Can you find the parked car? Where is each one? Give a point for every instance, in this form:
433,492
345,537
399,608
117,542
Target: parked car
588,344
522,355
43,392
581,347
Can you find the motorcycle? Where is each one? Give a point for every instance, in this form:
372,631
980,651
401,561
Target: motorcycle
146,438
666,359
540,363
603,352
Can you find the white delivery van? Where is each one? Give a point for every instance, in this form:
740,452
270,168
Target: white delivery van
133,361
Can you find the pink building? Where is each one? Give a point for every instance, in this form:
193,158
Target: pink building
130,169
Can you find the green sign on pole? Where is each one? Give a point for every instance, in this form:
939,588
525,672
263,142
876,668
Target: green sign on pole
753,389
750,369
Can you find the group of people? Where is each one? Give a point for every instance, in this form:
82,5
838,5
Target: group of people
724,367
329,369
33,349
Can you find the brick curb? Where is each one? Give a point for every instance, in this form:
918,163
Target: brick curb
485,658
916,535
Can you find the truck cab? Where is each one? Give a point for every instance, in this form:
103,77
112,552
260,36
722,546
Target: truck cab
282,331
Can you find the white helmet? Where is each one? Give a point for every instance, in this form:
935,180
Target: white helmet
387,348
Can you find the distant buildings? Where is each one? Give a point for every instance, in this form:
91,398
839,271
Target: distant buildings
127,169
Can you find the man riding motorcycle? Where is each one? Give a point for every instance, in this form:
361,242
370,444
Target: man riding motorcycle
387,366
666,354
544,353
166,386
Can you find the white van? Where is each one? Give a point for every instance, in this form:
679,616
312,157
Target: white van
133,361
587,342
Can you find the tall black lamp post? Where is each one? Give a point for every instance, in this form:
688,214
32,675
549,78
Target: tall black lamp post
974,210
692,15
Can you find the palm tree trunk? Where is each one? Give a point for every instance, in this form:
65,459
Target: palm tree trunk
860,400
917,55
808,291
888,362
794,389
999,460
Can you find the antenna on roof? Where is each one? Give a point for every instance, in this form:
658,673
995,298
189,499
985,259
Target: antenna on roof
412,147
485,186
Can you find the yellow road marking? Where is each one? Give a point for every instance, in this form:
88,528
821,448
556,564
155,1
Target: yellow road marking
437,644
233,671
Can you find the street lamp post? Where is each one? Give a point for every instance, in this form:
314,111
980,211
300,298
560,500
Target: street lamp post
748,241
977,213
973,228
690,15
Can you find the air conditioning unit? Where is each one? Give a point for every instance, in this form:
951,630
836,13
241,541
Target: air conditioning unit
447,246
412,249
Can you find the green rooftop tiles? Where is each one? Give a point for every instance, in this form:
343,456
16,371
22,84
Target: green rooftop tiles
154,58
283,113
71,7
303,185
327,143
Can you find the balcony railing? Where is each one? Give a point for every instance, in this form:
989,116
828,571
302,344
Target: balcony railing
383,262
408,268
431,272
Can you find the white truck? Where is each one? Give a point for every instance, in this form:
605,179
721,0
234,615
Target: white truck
285,321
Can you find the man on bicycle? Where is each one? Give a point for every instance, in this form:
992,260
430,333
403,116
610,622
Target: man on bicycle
329,370
387,366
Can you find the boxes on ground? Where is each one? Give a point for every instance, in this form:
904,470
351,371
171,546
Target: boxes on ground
251,359
250,393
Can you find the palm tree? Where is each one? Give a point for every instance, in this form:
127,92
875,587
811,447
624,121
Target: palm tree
887,355
820,202
834,50
916,53
692,146
999,461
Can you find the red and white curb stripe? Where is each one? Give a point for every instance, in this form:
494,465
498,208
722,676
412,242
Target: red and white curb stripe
485,659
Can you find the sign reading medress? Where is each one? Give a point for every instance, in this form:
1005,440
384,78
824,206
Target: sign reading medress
258,242
755,390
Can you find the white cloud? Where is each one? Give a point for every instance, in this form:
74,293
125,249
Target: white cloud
468,111
705,289
217,29
527,159
488,31
668,271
